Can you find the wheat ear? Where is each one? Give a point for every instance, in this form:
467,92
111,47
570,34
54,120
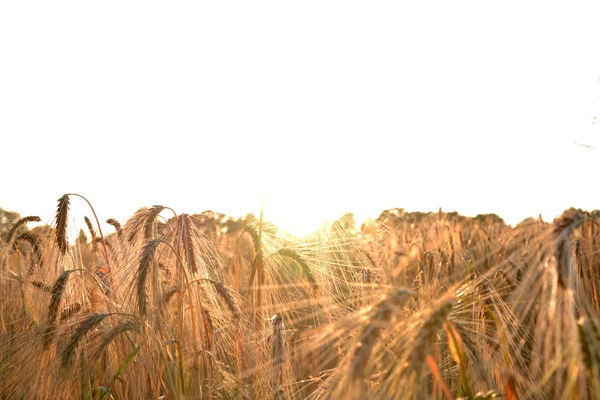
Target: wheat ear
116,225
113,333
278,352
562,229
428,333
89,323
57,291
142,274
187,243
378,319
62,215
289,253
21,222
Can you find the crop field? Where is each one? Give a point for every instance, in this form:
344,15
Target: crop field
408,306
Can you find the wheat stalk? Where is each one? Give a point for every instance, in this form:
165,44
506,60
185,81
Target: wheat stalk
62,215
378,319
90,228
42,286
34,241
187,242
589,342
563,226
285,252
226,295
426,336
88,323
143,220
168,294
116,225
128,326
57,291
69,311
9,235
142,275
278,352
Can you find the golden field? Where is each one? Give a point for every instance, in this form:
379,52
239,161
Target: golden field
408,306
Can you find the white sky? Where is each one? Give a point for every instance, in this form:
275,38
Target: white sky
320,106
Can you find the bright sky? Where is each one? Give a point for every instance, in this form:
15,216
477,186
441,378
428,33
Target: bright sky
322,107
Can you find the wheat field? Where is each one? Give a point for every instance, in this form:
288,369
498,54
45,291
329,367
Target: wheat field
408,306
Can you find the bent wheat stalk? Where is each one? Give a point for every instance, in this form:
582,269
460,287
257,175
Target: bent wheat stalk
89,323
21,222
